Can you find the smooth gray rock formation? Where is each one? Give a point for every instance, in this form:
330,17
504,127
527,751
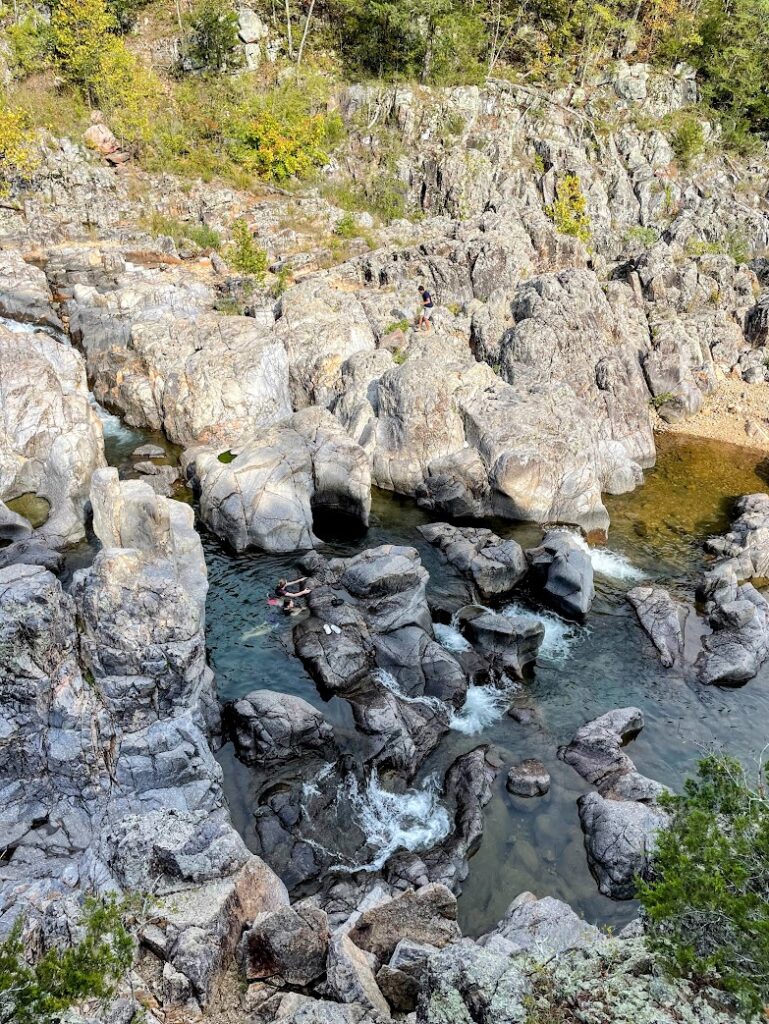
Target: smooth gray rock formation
403,730
543,928
427,915
24,294
661,617
596,751
13,527
509,642
561,570
51,438
270,728
739,617
266,496
529,778
620,838
621,820
32,552
109,782
287,946
496,566
746,544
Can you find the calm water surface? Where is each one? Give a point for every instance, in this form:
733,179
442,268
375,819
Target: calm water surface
529,844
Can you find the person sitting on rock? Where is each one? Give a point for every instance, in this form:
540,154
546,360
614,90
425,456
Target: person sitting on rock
282,588
427,309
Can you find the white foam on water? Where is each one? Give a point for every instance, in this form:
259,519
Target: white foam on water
610,563
113,427
414,820
483,706
389,682
618,567
450,638
560,635
311,788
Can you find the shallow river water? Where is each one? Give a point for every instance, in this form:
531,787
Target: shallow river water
656,534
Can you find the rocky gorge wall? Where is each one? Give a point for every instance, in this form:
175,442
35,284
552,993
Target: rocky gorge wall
534,396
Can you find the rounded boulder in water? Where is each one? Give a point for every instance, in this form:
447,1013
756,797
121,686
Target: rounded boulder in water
528,779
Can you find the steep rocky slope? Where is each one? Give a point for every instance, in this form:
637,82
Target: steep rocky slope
532,398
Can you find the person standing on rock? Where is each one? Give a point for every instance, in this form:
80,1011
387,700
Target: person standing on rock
427,309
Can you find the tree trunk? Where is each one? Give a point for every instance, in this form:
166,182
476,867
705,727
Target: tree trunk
288,30
304,34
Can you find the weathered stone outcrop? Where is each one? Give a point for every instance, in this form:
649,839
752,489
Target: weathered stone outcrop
270,728
661,617
562,572
544,928
622,819
496,566
50,436
266,496
108,779
508,642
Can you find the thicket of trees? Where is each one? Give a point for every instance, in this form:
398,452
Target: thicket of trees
707,904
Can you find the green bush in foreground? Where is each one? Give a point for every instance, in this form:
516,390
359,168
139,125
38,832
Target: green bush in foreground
245,255
707,903
37,994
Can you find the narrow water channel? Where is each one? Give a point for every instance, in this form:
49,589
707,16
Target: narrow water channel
657,534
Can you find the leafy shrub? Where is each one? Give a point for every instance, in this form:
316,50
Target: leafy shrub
38,993
17,155
707,902
244,254
696,247
399,356
569,211
125,12
397,325
347,227
92,57
212,41
30,42
201,235
279,144
643,236
688,140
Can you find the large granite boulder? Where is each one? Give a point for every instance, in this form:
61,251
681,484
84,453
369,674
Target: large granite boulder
158,354
661,617
270,728
286,946
562,572
464,983
51,438
509,642
427,915
267,495
496,566
543,928
620,839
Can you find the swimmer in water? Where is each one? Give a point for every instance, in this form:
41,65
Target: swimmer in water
282,588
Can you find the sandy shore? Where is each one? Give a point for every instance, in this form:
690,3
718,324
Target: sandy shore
736,412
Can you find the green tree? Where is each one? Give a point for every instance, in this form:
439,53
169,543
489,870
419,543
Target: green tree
17,153
212,37
707,902
38,993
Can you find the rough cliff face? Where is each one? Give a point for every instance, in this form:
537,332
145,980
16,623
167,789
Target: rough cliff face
533,397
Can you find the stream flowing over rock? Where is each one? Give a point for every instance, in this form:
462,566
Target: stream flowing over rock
280,400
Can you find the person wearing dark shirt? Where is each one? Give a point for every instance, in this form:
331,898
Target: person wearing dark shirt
427,310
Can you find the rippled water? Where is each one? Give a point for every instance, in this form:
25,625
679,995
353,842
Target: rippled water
656,533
